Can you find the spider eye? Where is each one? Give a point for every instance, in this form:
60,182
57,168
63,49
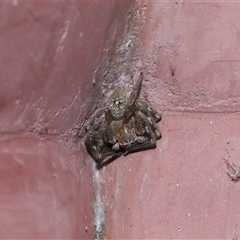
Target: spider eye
118,102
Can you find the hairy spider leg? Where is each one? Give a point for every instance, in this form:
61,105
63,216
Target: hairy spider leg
98,151
113,157
97,147
148,141
131,104
151,115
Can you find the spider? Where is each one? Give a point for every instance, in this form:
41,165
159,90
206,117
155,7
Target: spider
124,126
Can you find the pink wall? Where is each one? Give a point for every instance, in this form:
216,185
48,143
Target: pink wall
60,62
190,55
49,54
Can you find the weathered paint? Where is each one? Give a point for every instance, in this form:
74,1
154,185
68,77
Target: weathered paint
60,61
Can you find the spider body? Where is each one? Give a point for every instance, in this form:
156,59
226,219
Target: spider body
126,125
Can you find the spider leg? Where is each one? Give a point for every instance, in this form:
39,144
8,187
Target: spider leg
98,141
92,142
109,133
133,97
113,157
95,122
136,91
151,115
148,111
146,138
148,144
99,152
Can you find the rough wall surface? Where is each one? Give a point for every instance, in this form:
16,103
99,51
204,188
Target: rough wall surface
50,53
190,55
60,61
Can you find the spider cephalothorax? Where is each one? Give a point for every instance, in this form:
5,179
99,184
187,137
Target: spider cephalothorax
126,125
117,103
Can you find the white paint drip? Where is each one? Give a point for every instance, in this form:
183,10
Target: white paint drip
63,36
98,206
14,2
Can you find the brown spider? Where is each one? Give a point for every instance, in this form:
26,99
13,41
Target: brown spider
126,125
